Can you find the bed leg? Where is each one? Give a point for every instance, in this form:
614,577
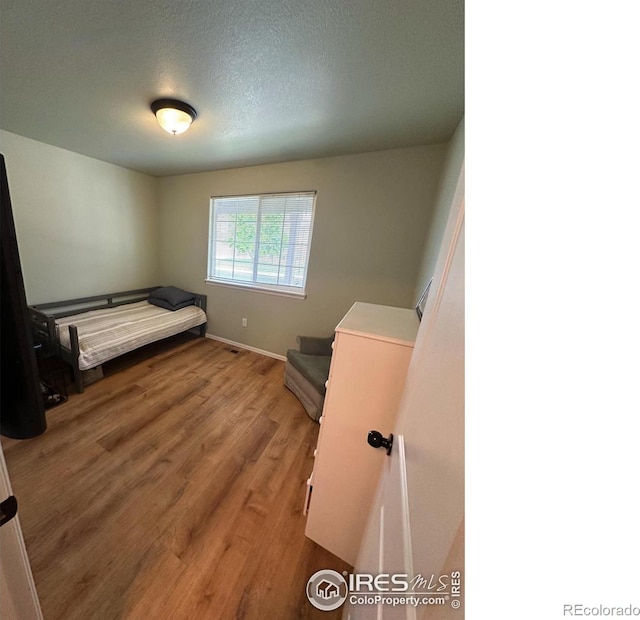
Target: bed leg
203,330
75,350
77,377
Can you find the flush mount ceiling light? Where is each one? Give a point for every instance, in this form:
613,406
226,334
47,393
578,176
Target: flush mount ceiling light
174,116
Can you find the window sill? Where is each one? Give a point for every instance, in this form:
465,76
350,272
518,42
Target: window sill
258,289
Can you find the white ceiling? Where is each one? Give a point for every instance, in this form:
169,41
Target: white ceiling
272,80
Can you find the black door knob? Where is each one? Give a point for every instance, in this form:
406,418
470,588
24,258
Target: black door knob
8,509
376,440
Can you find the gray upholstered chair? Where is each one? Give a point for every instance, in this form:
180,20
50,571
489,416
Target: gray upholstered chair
307,371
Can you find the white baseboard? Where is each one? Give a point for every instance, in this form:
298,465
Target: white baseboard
239,345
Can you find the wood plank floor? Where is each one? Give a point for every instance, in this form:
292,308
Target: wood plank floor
172,488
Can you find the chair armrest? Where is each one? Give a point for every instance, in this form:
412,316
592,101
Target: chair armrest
310,345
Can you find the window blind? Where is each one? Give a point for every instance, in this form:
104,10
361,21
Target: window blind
262,240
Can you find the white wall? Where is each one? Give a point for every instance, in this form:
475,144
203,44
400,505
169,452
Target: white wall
84,226
372,211
440,210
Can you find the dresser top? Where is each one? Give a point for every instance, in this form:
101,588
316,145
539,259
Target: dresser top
397,325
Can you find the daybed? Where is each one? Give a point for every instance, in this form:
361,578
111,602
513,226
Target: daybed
92,330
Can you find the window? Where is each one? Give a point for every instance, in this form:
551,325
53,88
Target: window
261,242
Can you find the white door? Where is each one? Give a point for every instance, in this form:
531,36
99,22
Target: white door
416,524
18,597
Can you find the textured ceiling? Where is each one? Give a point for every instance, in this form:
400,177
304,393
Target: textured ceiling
274,80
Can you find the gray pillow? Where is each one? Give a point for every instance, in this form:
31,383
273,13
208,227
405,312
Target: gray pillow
172,295
163,303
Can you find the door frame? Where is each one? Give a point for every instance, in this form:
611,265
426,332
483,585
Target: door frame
18,595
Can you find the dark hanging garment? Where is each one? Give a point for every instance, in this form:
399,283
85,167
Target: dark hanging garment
22,407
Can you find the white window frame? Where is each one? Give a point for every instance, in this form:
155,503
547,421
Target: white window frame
273,289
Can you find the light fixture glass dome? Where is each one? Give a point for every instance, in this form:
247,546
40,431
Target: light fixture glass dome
174,116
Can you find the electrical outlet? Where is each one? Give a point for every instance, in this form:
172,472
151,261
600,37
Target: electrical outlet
244,322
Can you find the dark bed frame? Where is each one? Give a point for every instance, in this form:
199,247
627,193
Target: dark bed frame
43,317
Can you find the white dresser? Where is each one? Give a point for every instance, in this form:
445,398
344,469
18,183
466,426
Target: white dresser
372,349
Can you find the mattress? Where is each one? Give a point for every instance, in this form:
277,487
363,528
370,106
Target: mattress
106,334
